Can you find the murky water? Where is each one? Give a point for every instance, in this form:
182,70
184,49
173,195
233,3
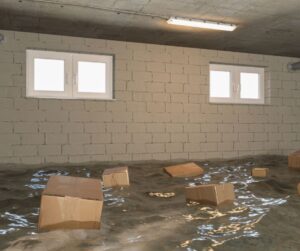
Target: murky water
152,213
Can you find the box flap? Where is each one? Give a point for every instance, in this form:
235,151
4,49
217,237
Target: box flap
184,170
115,170
85,188
297,153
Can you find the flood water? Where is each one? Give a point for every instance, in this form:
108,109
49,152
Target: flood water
265,215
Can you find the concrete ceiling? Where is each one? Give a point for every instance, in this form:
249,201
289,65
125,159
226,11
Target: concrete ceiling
264,26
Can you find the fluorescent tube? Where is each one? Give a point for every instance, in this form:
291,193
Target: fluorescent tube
201,24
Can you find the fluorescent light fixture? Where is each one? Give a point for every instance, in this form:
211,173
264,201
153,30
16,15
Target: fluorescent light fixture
201,24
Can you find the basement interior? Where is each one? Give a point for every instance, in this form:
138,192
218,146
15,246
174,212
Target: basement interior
145,125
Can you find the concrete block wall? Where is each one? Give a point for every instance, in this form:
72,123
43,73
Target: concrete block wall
161,109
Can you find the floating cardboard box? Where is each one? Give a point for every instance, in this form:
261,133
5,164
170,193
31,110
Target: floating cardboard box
294,160
214,194
184,170
117,176
260,172
71,203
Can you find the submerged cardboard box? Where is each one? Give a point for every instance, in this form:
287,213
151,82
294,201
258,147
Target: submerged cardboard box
71,203
184,170
294,160
213,194
260,172
117,176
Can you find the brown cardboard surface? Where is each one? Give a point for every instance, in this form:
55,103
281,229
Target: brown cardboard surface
82,209
122,169
184,170
214,194
74,187
294,160
260,172
117,176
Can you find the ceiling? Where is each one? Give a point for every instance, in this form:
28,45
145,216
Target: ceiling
264,26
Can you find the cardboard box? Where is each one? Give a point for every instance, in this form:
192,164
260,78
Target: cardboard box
294,160
260,172
117,176
71,203
214,194
184,170
298,188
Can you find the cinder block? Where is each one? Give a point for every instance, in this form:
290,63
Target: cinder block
121,138
94,149
142,138
155,87
57,116
155,148
260,172
294,160
79,138
136,148
25,150
94,127
47,150
161,137
184,170
214,194
72,149
174,68
25,127
156,67
50,127
142,76
155,127
73,105
32,139
174,147
161,97
161,77
156,107
117,176
115,148
101,138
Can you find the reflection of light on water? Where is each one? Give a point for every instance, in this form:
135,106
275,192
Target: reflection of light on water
161,195
204,213
16,222
36,186
113,200
6,231
237,210
185,244
220,227
134,239
40,178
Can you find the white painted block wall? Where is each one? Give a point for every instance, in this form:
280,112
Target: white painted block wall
161,110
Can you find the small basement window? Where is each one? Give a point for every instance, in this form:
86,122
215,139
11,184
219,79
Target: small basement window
64,75
236,84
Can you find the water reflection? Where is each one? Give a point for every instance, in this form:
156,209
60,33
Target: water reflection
136,219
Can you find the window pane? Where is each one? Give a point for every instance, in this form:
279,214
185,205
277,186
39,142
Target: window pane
48,74
249,85
220,84
91,77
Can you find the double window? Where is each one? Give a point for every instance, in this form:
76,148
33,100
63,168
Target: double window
68,75
236,84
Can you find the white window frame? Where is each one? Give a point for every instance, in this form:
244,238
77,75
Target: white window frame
71,72
235,86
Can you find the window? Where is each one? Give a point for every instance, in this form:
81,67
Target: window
69,75
236,84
